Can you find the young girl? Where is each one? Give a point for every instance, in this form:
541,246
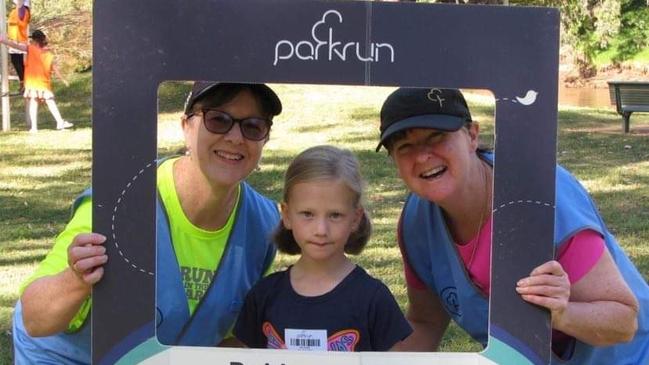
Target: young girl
39,66
324,302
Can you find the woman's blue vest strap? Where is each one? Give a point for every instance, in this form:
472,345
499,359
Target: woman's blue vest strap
248,254
431,253
86,194
433,256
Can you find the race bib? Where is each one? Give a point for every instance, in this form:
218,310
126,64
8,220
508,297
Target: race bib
305,340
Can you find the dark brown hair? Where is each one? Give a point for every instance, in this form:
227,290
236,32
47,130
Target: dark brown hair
39,37
325,163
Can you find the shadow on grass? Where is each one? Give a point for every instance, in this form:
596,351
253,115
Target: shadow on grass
315,128
364,113
591,155
38,206
270,181
35,258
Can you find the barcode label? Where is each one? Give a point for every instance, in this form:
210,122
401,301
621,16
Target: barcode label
305,340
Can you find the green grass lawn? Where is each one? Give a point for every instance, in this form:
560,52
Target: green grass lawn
41,174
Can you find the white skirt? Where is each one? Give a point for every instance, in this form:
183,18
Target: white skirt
38,94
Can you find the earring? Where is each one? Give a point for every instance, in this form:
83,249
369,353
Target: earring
188,151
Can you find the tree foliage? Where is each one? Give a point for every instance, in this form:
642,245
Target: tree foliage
43,10
607,22
590,26
634,29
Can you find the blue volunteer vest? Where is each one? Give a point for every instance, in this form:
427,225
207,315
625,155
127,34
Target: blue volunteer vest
248,254
433,256
62,348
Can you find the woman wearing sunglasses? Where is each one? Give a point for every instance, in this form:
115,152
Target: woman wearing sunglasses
205,207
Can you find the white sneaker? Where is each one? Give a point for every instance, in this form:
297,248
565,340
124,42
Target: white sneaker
65,125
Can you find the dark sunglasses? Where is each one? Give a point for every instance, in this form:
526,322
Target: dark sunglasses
220,122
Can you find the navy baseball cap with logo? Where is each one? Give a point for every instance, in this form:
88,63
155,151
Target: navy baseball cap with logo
203,88
405,108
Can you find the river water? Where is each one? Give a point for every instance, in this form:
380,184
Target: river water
584,97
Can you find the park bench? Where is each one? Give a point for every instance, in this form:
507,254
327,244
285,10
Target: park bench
629,97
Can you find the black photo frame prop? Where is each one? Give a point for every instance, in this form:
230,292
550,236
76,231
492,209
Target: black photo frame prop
512,51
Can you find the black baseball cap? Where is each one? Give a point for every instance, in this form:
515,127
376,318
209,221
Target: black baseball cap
203,88
436,108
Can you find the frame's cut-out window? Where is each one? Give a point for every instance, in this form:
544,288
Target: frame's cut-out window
346,117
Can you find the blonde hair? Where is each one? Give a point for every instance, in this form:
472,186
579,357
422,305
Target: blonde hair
325,163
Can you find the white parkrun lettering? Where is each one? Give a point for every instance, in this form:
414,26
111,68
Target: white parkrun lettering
307,50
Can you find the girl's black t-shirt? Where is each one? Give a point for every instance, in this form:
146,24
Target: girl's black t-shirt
359,314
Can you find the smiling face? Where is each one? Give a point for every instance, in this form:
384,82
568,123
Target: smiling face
321,214
436,164
225,159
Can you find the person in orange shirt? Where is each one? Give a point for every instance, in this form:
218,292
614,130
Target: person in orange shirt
39,66
17,30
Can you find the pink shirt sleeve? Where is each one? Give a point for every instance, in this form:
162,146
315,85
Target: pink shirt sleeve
577,257
581,253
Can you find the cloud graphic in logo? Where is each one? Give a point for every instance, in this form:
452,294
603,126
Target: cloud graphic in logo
317,24
434,96
529,98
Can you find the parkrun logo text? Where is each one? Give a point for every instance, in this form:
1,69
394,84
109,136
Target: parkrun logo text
323,45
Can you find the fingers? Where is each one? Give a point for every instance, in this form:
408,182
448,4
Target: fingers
554,298
554,305
86,256
552,267
88,238
544,279
93,276
547,286
547,290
